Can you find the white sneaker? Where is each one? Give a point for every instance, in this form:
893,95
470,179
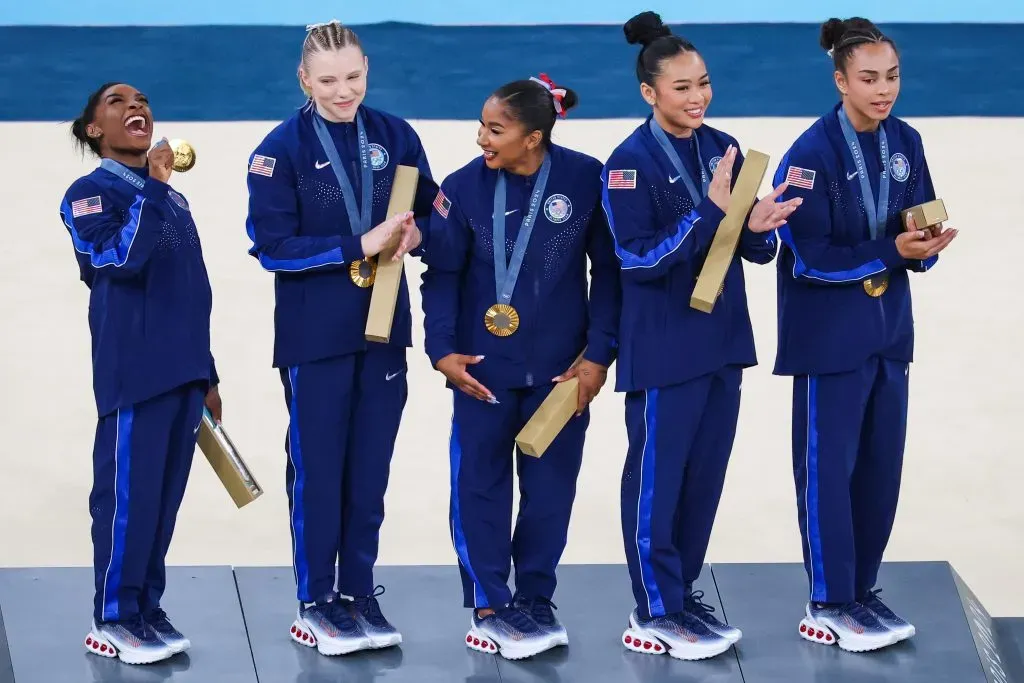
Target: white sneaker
852,626
329,627
132,641
681,635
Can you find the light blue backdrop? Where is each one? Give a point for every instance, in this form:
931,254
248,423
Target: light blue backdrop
291,12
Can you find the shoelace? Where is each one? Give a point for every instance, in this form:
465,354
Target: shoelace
337,613
370,608
138,627
691,623
541,609
696,601
158,619
860,613
517,619
872,601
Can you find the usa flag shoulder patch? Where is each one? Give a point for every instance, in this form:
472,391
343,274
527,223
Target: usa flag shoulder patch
84,207
801,177
622,179
442,203
262,165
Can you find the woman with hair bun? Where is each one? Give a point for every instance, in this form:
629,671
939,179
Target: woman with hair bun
846,330
139,254
508,314
666,189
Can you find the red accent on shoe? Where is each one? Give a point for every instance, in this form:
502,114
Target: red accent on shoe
628,640
657,648
95,645
476,641
647,645
469,639
820,635
828,637
803,628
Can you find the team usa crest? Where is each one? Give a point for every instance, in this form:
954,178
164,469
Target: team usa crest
178,199
558,208
378,157
899,167
713,164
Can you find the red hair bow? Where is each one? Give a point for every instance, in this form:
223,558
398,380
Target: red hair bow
558,94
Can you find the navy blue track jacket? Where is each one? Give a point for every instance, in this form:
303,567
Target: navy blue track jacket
150,299
300,230
558,317
661,240
827,323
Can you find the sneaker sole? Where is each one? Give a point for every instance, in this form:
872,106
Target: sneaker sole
481,642
303,634
102,647
823,634
642,640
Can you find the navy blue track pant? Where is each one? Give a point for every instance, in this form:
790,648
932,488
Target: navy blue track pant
344,414
481,450
141,460
849,431
680,439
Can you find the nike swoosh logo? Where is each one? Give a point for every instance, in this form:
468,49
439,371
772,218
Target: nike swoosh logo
196,430
391,375
323,165
672,180
509,213
851,176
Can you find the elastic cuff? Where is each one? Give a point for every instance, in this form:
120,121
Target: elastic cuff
352,248
155,189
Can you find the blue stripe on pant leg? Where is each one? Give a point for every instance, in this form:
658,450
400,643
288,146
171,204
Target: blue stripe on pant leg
645,505
298,517
458,534
819,592
119,529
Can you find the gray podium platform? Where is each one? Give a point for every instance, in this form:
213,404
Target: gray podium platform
47,614
239,621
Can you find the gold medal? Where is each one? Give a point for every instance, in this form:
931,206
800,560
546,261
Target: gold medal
501,320
184,155
363,272
876,286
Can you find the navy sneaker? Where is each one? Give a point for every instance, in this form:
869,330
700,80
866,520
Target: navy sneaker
369,617
328,626
852,626
889,619
509,632
133,641
680,635
543,612
694,604
165,630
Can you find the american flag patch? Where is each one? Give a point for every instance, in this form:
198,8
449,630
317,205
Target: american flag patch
622,180
442,204
262,165
801,177
83,207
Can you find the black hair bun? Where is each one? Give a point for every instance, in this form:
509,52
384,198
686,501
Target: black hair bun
831,31
570,99
645,28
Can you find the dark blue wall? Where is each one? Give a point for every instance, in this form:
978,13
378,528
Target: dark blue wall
222,73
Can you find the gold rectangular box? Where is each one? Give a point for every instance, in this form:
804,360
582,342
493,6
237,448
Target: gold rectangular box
549,419
227,462
927,215
388,280
723,247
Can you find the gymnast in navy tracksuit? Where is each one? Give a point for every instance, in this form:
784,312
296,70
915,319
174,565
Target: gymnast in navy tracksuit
149,314
318,182
846,330
507,313
666,189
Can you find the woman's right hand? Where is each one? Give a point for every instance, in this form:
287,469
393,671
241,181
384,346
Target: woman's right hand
161,161
720,189
453,366
385,235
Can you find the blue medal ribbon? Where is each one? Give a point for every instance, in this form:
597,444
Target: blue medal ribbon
877,215
123,172
677,163
505,276
360,223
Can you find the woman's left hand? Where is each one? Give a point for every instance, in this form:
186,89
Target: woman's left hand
591,378
768,214
213,404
